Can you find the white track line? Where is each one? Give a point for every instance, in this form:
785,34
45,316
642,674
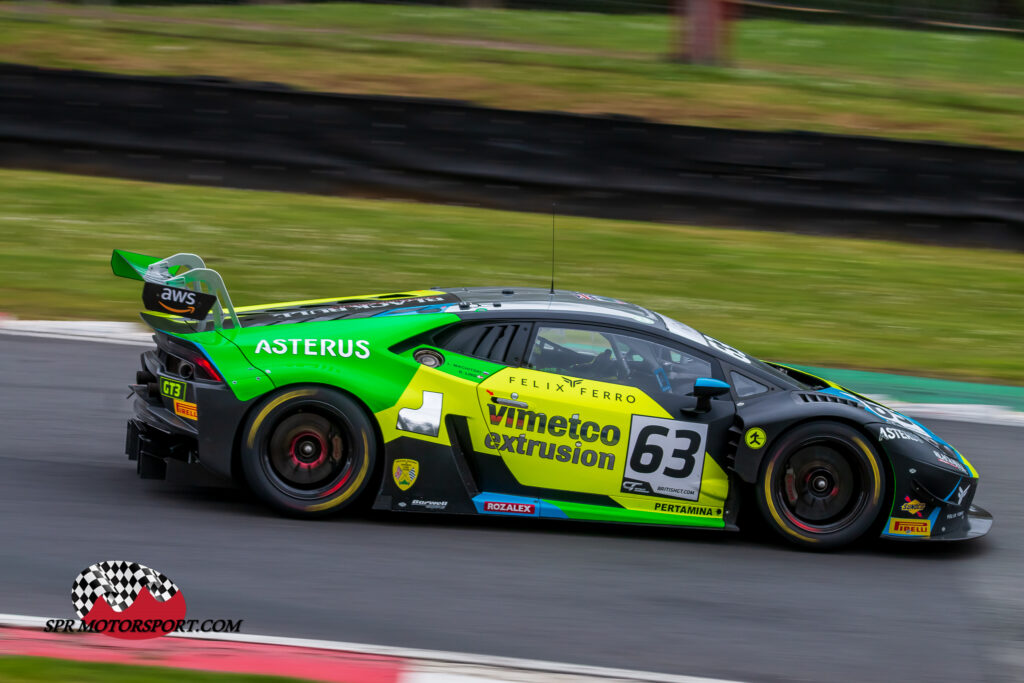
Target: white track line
956,412
104,332
73,337
432,666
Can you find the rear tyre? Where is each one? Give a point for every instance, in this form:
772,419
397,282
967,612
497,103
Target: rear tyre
308,451
822,485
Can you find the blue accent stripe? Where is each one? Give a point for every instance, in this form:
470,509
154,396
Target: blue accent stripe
954,489
206,356
540,508
411,310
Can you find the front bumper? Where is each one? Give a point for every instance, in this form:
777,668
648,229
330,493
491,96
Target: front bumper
979,522
976,523
934,489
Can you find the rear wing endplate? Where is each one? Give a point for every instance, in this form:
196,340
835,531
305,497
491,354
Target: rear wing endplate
186,271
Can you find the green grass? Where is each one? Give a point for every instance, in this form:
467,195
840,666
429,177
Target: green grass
818,301
45,670
866,80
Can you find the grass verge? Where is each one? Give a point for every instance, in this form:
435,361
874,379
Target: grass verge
932,311
865,80
45,670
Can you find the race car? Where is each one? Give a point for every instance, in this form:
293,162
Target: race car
522,402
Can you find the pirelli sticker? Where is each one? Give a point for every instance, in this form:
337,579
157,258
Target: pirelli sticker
910,527
186,410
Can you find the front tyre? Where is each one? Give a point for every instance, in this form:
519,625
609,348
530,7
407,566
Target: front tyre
822,485
308,451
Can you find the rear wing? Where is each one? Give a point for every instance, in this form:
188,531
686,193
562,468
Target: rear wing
171,279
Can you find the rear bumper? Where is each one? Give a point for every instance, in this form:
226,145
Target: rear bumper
151,439
156,434
185,417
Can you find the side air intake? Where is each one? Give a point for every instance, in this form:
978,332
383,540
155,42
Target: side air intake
816,397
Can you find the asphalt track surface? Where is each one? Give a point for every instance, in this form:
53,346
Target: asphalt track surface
735,606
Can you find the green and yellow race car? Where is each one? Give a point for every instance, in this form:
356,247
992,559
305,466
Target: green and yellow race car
524,402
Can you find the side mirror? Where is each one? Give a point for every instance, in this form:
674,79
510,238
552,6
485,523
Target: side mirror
705,389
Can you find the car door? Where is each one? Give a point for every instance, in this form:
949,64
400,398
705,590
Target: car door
608,414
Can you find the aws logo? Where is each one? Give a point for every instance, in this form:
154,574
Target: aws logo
184,302
178,297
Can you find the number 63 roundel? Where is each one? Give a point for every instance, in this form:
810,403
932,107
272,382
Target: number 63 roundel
666,457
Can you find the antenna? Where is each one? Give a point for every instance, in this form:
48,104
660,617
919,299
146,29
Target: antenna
553,247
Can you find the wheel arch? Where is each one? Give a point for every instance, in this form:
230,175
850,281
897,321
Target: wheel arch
258,403
749,462
860,526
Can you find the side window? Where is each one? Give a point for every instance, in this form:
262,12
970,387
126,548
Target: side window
618,358
744,386
497,342
576,352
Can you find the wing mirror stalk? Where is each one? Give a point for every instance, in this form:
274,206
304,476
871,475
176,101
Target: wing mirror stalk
705,389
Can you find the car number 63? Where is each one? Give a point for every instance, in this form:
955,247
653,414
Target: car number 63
666,455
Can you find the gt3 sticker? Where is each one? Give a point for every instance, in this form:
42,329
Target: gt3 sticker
666,455
171,388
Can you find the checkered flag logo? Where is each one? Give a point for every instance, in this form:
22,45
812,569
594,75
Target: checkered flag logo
119,583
